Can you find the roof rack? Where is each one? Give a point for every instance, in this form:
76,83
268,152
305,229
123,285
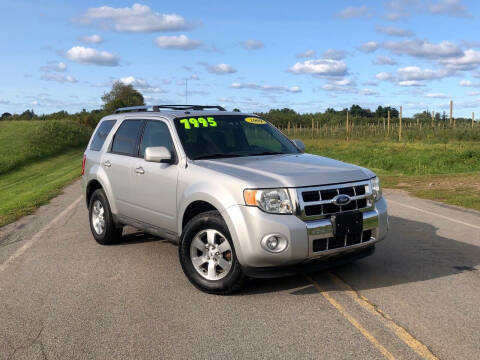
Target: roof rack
156,108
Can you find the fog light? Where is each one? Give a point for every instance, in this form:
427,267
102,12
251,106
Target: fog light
274,243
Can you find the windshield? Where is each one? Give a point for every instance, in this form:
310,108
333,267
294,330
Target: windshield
218,136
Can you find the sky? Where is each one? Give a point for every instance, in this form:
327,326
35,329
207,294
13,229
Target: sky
251,55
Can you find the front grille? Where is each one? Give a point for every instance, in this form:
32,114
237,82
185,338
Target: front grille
337,242
318,201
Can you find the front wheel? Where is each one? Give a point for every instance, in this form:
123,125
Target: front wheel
208,257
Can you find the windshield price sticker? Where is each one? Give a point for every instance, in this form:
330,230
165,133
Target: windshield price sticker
198,122
253,120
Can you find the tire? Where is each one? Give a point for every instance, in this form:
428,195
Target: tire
216,269
103,228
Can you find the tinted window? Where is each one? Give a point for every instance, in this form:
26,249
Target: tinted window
125,139
156,134
101,134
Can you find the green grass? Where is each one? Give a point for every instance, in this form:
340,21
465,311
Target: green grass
394,158
25,189
24,142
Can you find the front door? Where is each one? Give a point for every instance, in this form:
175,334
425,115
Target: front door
155,183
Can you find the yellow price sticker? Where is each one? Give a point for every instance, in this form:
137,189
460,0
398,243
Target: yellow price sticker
253,120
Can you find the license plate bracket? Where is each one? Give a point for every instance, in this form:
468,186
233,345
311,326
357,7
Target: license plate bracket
347,223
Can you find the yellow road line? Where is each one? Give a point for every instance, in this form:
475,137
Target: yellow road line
352,320
401,332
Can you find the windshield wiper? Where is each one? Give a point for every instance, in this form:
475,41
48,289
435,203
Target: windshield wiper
267,153
217,155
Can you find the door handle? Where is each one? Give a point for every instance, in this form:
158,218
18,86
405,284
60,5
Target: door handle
107,163
140,170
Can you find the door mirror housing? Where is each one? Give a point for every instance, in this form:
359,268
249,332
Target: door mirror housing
158,154
299,144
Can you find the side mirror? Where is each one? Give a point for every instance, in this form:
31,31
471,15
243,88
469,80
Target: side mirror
158,154
299,144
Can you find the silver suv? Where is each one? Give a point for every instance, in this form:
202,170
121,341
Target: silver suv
239,198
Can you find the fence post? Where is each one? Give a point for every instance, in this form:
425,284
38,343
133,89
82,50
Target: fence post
288,128
347,126
473,119
451,111
400,125
433,119
313,128
388,129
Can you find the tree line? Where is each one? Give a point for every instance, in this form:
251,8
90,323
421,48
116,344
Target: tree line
122,95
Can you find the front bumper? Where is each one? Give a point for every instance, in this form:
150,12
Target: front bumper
248,225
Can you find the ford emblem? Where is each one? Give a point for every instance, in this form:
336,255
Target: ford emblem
341,200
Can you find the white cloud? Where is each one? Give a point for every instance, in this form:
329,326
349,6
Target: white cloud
415,73
253,44
219,69
141,84
85,55
468,83
468,61
368,92
322,67
384,60
449,7
424,49
181,42
369,47
436,95
61,78
341,85
54,66
352,12
393,31
92,39
4,102
267,88
307,54
138,18
333,54
383,76
410,83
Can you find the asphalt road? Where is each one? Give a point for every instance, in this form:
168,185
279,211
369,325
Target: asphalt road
63,296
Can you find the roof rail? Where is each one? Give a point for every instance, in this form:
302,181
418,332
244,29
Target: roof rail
156,108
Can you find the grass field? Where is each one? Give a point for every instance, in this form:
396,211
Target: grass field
37,158
25,189
24,142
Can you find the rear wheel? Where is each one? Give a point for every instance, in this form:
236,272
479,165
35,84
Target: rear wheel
104,229
208,257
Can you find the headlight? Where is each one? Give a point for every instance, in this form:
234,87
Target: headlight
275,201
376,189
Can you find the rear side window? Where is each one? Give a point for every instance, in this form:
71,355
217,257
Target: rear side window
101,134
125,140
156,133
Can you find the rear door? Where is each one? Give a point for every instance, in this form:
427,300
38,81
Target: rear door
155,183
118,163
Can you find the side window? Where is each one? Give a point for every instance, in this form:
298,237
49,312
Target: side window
156,133
125,139
101,134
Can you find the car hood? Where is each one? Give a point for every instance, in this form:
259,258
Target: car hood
289,170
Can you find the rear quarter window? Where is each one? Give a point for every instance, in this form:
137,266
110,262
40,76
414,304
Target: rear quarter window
125,139
101,134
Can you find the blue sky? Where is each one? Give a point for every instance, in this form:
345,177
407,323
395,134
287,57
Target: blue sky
254,55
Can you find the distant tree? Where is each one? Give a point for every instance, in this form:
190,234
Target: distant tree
26,115
5,115
236,110
122,95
